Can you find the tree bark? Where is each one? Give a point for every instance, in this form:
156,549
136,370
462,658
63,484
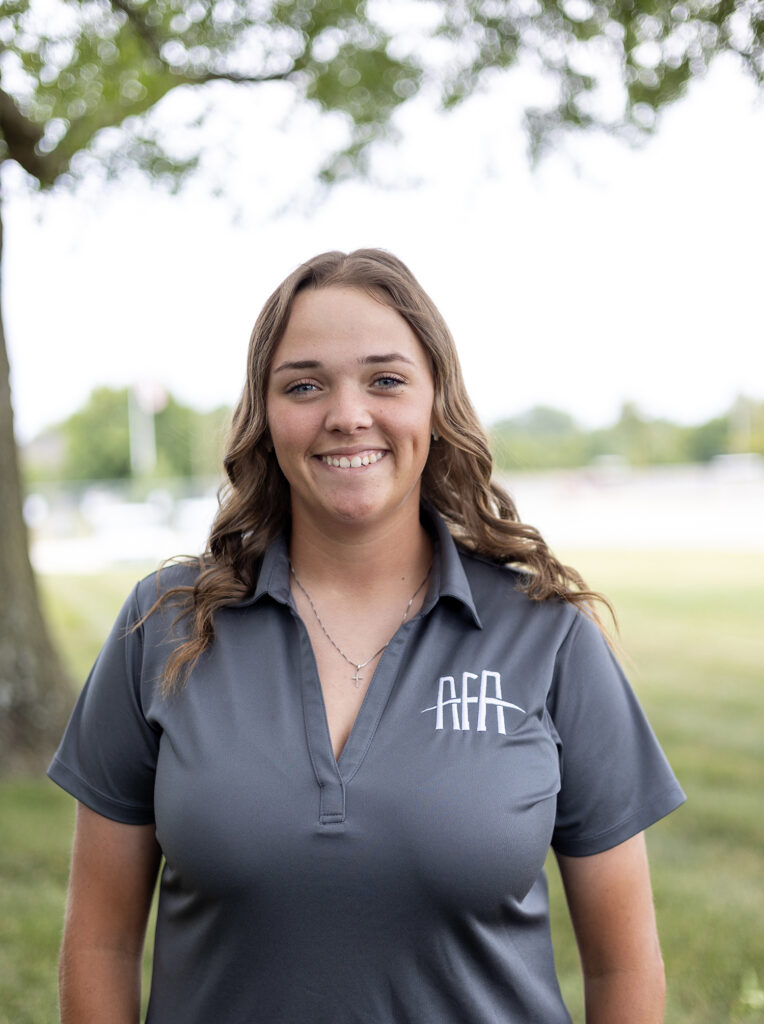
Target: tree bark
35,694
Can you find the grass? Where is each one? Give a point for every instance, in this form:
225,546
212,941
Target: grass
37,819
692,626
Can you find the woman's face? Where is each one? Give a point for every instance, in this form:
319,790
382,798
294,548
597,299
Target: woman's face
349,407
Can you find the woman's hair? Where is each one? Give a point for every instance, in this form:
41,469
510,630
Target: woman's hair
254,504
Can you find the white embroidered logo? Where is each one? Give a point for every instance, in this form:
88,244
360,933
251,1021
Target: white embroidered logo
462,721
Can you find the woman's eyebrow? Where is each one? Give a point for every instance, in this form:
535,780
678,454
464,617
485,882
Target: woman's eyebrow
299,364
389,357
314,364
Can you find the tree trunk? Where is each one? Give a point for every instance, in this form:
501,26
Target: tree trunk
35,694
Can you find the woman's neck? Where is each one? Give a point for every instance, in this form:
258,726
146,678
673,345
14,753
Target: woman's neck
360,561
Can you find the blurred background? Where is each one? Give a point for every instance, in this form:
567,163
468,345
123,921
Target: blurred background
604,302
577,186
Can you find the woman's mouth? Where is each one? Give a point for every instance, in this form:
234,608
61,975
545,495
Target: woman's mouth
353,461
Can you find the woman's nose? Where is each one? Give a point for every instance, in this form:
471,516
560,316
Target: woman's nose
348,409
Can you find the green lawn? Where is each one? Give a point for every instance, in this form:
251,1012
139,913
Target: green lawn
692,626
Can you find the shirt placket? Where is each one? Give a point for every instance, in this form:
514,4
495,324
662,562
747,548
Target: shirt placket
334,776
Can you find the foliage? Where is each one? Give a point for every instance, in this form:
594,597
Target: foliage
545,438
82,76
75,70
647,49
642,441
96,438
709,439
94,442
541,438
190,443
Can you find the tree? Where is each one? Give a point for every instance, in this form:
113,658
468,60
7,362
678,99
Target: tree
93,443
709,439
97,441
541,438
33,692
79,80
190,443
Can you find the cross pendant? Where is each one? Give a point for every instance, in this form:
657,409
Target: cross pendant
357,677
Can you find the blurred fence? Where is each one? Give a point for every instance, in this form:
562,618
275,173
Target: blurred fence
719,506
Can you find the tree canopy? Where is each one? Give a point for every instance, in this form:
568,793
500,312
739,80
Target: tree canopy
82,76
94,442
544,438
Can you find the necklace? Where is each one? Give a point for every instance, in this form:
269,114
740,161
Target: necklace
357,665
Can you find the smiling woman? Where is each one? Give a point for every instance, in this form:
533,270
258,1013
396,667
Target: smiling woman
355,725
349,410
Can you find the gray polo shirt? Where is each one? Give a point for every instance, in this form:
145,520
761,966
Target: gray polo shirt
403,883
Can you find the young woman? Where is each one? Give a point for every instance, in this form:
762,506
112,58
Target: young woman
354,727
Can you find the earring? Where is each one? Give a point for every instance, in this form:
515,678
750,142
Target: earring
435,435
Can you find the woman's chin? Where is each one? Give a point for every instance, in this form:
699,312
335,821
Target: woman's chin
355,507
356,511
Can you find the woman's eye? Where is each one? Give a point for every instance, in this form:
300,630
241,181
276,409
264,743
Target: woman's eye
302,387
387,382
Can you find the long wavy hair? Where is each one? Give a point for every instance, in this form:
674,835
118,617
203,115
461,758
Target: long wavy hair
254,504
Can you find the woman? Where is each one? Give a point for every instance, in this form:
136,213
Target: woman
351,729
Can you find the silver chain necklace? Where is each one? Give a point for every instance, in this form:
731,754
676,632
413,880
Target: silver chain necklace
357,665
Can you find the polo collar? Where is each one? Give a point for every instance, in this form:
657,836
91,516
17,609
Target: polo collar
448,578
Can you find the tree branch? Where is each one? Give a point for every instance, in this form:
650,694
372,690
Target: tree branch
141,26
236,78
148,35
22,136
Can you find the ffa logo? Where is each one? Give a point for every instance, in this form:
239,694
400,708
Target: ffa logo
460,705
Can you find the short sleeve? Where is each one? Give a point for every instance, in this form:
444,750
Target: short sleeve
107,757
615,779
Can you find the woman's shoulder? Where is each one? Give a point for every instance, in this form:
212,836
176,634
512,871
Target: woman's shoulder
500,589
493,576
159,585
498,573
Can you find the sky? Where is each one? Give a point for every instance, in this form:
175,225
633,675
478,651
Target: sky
606,275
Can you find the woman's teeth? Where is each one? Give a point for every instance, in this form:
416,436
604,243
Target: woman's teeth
354,461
